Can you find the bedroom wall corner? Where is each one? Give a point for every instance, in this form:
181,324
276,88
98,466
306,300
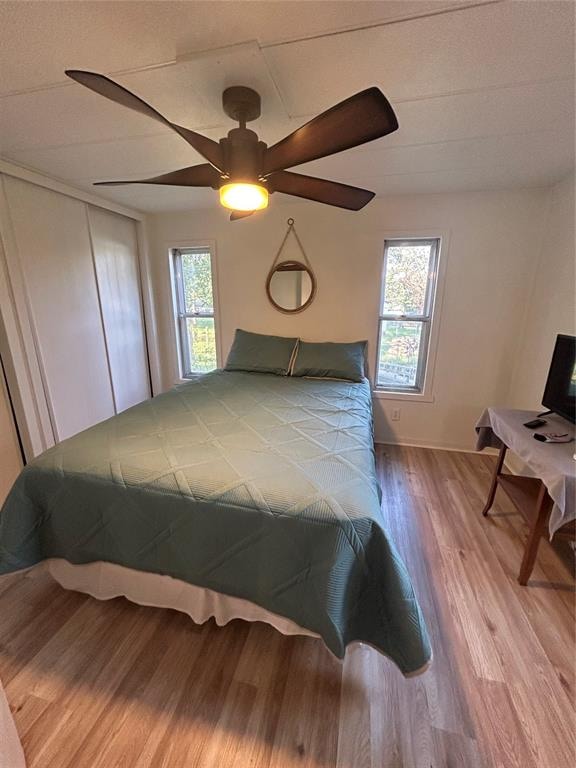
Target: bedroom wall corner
550,308
143,233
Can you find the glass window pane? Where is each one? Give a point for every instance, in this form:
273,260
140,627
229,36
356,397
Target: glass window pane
197,282
399,350
406,279
201,343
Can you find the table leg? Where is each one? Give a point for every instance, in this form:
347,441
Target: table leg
543,507
494,486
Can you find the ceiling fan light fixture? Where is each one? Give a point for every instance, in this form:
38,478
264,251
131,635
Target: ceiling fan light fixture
245,169
240,196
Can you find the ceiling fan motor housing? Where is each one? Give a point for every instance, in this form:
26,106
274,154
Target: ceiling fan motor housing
243,155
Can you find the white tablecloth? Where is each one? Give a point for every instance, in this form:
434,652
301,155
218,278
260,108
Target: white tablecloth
553,463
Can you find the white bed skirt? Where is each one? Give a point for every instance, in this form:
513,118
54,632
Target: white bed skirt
11,755
107,580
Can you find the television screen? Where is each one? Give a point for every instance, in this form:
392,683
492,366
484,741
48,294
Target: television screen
560,392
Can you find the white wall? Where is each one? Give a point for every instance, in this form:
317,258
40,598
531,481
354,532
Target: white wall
551,306
494,240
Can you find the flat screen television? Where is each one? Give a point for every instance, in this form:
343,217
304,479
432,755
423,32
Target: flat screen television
560,392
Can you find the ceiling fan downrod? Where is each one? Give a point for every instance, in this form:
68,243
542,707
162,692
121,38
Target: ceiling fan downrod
243,150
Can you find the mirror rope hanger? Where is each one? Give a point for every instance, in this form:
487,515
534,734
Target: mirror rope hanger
291,265
291,229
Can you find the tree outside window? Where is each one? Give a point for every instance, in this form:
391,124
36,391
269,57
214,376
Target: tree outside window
195,310
408,285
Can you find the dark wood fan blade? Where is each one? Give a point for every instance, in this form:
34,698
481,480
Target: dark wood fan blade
101,84
235,215
320,190
111,90
194,176
209,149
363,117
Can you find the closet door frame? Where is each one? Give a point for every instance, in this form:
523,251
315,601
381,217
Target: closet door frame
10,441
17,345
17,342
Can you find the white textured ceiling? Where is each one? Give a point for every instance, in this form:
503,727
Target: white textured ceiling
484,92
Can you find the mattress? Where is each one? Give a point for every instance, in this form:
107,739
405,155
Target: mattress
255,486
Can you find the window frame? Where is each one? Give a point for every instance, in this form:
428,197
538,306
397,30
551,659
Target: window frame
429,319
180,315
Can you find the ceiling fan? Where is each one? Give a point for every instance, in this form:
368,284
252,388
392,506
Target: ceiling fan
244,169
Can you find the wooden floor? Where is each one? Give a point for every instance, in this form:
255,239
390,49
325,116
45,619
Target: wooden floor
104,684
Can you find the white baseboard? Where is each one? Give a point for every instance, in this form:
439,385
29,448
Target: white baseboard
437,446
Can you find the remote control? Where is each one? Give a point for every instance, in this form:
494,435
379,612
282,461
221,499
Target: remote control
535,423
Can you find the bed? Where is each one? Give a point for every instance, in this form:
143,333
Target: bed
11,754
233,495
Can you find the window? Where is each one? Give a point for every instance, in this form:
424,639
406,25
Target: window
194,309
408,288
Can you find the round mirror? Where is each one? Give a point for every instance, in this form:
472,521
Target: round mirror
291,286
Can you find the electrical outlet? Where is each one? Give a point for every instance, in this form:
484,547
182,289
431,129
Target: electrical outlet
395,414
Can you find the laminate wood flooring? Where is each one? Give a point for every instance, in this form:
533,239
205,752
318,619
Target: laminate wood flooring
114,685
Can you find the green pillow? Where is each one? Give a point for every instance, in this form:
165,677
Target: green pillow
260,353
331,360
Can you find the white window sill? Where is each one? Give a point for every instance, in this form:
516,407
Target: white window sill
415,397
185,380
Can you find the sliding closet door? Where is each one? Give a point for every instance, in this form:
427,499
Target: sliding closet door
115,248
55,258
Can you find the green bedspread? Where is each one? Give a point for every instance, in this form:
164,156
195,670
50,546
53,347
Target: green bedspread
253,485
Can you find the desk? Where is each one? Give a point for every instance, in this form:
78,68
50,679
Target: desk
548,498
